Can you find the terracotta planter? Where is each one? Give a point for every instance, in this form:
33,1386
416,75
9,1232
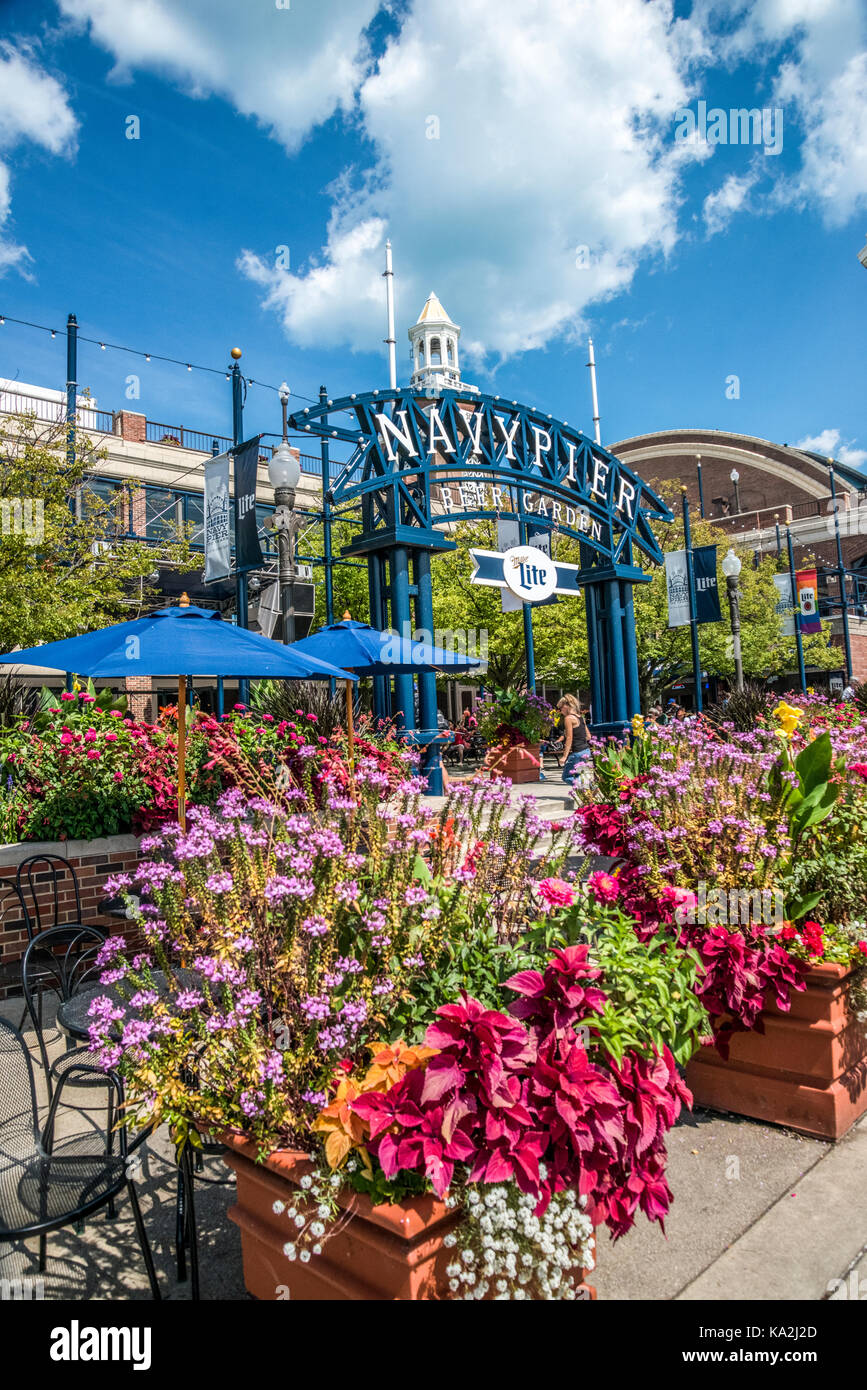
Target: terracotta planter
393,1252
521,762
808,1070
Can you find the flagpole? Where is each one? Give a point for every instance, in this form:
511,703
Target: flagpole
240,578
182,751
799,643
693,618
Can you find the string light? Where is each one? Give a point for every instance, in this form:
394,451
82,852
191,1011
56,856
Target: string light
160,357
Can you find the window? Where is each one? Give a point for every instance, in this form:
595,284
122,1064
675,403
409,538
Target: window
161,512
436,353
194,515
450,352
101,491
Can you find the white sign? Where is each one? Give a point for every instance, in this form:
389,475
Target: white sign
529,574
785,604
217,519
677,582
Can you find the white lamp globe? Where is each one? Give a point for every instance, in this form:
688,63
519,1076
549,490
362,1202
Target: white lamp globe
284,470
731,565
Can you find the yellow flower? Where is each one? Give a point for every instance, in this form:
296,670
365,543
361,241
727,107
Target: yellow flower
638,726
788,717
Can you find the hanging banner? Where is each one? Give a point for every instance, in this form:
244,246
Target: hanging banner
808,608
248,552
707,607
217,525
677,583
785,604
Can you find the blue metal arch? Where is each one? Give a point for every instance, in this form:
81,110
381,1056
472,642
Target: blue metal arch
431,441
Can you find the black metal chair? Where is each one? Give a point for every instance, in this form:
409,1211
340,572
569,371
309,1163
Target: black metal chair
13,918
61,960
43,1188
51,874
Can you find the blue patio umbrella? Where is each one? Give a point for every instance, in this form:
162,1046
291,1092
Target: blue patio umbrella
369,652
178,642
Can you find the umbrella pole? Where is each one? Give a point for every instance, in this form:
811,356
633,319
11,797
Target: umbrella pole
350,732
182,750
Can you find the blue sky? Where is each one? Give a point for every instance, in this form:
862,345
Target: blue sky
310,127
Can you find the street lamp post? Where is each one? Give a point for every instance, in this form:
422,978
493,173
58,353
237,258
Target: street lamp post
736,477
731,568
284,474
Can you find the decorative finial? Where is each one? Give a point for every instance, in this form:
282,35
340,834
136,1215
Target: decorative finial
184,601
347,616
236,353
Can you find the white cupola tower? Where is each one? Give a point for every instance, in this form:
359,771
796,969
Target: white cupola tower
435,362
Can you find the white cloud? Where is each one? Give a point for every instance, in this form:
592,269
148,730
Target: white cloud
821,84
828,442
552,126
731,197
288,68
33,108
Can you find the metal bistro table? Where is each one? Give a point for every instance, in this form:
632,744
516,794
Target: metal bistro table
73,1016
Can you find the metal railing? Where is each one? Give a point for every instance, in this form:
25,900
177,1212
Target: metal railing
53,412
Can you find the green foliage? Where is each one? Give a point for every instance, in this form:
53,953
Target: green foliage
287,699
515,710
650,984
830,872
78,574
743,708
667,652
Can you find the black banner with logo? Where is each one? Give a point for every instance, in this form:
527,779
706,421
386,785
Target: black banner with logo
248,552
707,608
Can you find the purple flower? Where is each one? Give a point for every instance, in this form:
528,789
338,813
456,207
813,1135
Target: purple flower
189,999
252,1103
220,883
316,1006
415,894
315,926
348,891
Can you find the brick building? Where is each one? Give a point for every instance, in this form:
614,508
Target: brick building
778,487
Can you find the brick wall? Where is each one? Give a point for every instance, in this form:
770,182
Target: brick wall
93,862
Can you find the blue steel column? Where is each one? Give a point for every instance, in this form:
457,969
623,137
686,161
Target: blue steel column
844,598
616,662
630,649
526,608
71,402
693,615
401,621
427,681
326,521
375,586
240,579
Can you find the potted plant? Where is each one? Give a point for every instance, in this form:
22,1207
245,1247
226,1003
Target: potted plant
512,723
428,1084
731,842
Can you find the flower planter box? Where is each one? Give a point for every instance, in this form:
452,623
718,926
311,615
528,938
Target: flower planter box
382,1253
521,762
808,1070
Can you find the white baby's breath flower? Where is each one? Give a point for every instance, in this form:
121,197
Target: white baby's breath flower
278,1208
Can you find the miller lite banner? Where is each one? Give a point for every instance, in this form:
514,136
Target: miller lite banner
248,552
707,607
808,608
217,523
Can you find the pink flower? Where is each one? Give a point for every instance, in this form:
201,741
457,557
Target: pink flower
67,695
604,887
118,776
93,753
111,737
90,736
682,900
86,699
862,947
555,892
860,768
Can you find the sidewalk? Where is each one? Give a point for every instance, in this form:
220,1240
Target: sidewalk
758,1212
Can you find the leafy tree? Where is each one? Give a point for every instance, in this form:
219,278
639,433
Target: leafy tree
64,568
349,575
664,653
